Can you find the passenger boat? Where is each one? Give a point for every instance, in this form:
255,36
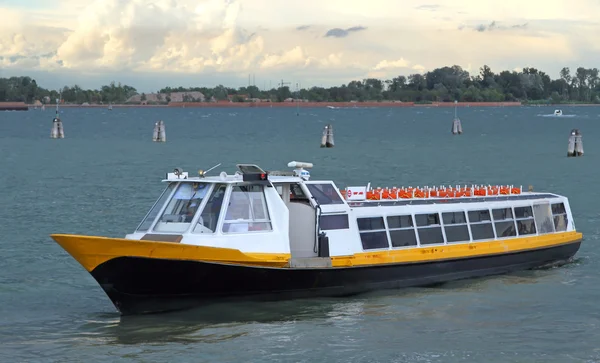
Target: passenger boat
279,235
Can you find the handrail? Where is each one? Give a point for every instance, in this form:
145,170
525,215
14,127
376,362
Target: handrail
395,193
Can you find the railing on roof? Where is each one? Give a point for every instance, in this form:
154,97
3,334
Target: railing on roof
395,193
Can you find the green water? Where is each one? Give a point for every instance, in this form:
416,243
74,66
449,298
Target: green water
105,174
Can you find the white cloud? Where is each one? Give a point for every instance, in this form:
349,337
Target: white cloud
237,37
419,68
385,64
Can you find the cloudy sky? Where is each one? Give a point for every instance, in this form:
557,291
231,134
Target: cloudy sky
154,43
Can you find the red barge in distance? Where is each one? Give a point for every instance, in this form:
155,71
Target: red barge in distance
261,235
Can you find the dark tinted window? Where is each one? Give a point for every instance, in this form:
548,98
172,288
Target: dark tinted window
399,221
454,217
373,240
523,212
525,226
296,192
505,229
427,219
366,224
560,217
457,233
504,213
479,216
558,208
482,231
403,237
336,221
325,193
430,235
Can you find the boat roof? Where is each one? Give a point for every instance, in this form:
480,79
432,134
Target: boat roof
252,172
235,178
245,172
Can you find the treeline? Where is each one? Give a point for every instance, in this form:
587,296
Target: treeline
26,89
444,84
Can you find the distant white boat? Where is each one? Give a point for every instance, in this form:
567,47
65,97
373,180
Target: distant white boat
558,113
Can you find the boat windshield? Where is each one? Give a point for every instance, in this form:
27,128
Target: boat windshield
207,222
180,210
151,216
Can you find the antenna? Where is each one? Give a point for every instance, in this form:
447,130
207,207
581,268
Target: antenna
202,173
219,164
283,83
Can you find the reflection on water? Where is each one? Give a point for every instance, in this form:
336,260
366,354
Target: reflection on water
233,320
51,310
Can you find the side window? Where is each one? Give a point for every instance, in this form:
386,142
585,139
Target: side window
151,216
525,221
480,222
543,218
207,222
181,209
372,233
429,228
504,222
247,210
455,226
333,221
325,193
402,231
559,213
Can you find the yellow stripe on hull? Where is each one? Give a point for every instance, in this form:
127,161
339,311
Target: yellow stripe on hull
454,251
91,251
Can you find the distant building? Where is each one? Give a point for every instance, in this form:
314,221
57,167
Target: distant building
173,97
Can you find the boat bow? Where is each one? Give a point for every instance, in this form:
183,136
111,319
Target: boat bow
92,251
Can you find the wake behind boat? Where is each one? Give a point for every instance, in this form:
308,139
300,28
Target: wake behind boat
557,113
279,235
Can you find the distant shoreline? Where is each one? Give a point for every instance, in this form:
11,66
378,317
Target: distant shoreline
20,106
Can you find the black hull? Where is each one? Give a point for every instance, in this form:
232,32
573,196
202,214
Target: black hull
138,285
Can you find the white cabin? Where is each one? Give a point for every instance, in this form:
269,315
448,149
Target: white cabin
284,212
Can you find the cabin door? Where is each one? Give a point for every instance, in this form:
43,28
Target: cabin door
302,221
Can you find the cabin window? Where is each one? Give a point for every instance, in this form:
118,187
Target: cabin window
334,221
504,222
325,193
151,216
561,220
181,209
477,216
247,210
297,194
402,231
525,221
480,222
372,233
429,228
207,222
543,218
455,227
